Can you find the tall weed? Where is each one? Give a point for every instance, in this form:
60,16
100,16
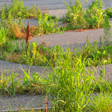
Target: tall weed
107,33
77,18
18,10
69,85
94,14
75,15
47,25
3,35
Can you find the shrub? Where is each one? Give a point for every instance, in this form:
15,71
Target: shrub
77,18
18,10
3,35
109,11
94,14
75,15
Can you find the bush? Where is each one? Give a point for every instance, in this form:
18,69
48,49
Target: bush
3,34
94,15
77,18
18,10
109,11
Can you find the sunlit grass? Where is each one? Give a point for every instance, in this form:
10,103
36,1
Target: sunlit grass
71,87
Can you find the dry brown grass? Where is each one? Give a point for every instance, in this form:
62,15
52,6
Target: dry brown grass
17,31
35,30
14,57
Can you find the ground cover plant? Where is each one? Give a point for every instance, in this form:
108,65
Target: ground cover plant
46,25
108,11
78,18
18,10
45,56
68,76
12,16
41,55
17,30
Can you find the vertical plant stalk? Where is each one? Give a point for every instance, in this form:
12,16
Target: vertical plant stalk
43,104
27,35
46,104
107,33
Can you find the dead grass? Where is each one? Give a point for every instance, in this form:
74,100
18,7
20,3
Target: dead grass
17,31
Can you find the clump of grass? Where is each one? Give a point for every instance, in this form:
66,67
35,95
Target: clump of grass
107,30
100,102
98,56
18,10
70,86
108,11
48,25
77,18
3,35
68,75
15,29
44,56
74,16
40,55
45,23
65,79
35,55
30,84
18,30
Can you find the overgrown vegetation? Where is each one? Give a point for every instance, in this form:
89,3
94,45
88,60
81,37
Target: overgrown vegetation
46,25
11,19
18,10
75,18
109,11
69,84
78,18
45,56
66,78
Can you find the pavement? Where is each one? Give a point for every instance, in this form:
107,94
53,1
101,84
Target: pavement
57,7
53,4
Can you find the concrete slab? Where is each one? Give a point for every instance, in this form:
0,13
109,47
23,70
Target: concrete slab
53,4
